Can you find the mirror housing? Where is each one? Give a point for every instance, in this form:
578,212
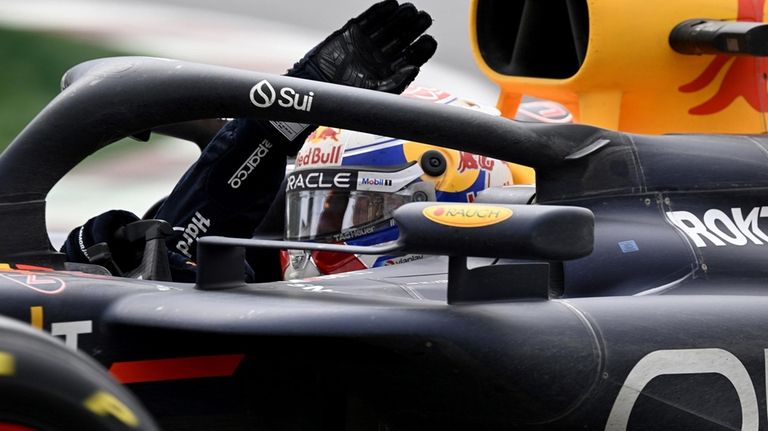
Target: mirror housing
527,232
538,235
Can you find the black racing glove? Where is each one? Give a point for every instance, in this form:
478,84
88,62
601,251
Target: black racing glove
382,49
95,242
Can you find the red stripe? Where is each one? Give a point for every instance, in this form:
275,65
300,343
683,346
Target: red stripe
157,370
32,267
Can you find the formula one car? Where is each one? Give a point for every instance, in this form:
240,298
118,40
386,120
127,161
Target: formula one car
631,295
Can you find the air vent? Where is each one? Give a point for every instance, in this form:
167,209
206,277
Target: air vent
533,38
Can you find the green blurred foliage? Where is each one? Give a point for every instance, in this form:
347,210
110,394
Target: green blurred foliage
31,66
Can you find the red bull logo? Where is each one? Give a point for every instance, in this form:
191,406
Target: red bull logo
324,149
427,94
543,111
317,156
323,133
472,161
463,170
745,76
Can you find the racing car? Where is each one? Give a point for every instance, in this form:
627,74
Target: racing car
627,293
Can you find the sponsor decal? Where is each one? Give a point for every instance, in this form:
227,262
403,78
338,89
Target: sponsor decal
354,233
473,172
198,225
473,161
322,133
81,243
317,156
290,130
250,164
323,149
543,111
428,94
688,362
719,228
744,76
466,215
69,330
319,180
45,284
264,95
404,259
366,181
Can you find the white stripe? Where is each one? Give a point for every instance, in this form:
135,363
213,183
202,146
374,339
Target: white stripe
664,287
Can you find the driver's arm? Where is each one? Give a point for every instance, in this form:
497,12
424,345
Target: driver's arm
231,187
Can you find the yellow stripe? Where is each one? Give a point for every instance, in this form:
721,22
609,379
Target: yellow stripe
7,364
4,267
36,317
102,403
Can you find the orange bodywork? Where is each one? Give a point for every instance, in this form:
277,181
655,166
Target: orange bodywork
631,80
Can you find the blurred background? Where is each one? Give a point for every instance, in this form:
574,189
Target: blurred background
41,39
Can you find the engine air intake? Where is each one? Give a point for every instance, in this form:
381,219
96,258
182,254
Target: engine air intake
533,38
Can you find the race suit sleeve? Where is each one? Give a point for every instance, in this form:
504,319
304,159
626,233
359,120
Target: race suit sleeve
229,190
236,180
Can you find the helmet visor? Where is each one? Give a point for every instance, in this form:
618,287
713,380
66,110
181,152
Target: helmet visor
338,215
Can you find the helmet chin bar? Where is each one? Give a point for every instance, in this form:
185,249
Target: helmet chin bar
539,236
300,265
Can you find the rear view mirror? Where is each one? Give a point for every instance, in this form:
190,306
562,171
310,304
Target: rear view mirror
528,232
534,234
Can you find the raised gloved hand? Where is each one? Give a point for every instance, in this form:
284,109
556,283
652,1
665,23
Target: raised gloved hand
382,49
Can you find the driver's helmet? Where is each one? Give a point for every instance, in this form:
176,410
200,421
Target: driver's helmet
346,185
